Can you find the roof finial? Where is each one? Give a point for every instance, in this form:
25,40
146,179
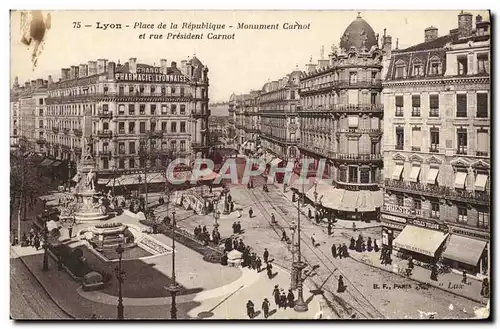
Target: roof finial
359,14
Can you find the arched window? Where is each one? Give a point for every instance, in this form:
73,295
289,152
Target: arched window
434,65
400,69
417,67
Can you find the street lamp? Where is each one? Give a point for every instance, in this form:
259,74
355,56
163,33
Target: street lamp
293,279
120,276
45,266
299,265
174,288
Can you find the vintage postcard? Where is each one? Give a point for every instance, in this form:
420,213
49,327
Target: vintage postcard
250,165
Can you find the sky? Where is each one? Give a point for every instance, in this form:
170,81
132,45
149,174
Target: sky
235,66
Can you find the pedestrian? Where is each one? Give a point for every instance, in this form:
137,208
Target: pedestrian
352,245
317,218
228,245
485,288
235,244
313,240
283,299
266,255
234,228
253,261
434,272
269,270
265,308
369,244
205,229
250,309
330,228
37,242
283,235
341,252
238,227
375,245
70,231
241,246
273,219
410,263
309,213
250,212
344,250
340,285
239,213
232,206
276,295
291,298
24,240
334,251
353,226
464,277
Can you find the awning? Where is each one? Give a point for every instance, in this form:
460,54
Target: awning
398,170
276,162
481,181
460,180
420,240
104,181
415,171
432,175
349,201
46,162
463,249
333,200
133,179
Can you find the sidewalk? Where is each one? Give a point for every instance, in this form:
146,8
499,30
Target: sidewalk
450,282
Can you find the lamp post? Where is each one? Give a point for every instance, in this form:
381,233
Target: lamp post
293,279
120,276
174,288
45,266
299,265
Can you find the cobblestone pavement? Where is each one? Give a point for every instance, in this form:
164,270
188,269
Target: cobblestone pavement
405,299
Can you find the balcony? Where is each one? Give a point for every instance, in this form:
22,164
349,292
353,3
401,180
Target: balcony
105,114
315,110
41,140
482,198
155,134
55,130
357,108
77,132
104,133
200,113
407,211
66,131
319,88
359,83
198,145
371,132
105,154
316,150
357,186
356,157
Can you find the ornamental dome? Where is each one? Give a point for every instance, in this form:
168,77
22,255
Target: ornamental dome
359,34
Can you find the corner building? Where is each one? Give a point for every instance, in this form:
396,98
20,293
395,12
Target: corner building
341,120
160,110
437,156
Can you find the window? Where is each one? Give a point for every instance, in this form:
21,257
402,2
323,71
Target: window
435,68
416,138
182,91
374,175
142,162
142,109
121,127
434,140
173,127
131,147
400,138
183,127
292,94
434,105
483,219
172,90
152,109
373,98
173,109
343,174
40,124
399,106
131,127
417,70
152,90
152,126
482,105
164,109
163,126
162,90
121,91
400,200
374,147
364,175
40,112
353,78
105,163
173,145
105,126
435,210
183,109
131,109
105,108
131,163
131,89
121,164
417,204
415,103
121,109
462,215
462,65
121,148
353,174
374,76
183,146
483,65
153,144
461,141
40,101
461,105
142,127
141,90
483,139
400,71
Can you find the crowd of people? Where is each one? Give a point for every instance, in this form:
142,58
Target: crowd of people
204,236
281,300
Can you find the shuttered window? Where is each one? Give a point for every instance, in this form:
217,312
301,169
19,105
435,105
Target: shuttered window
415,101
462,105
399,101
483,139
482,105
416,139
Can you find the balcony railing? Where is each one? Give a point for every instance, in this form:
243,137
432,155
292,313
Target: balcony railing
55,130
105,114
356,157
66,131
155,134
359,83
77,132
439,191
318,88
358,108
105,154
360,131
403,210
104,133
200,113
41,141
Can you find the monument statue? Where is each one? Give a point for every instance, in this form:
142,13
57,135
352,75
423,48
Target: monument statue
91,180
89,152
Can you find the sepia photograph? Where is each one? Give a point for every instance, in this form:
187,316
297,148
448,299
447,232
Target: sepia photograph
250,165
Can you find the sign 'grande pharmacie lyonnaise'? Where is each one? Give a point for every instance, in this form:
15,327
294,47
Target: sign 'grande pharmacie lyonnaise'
150,74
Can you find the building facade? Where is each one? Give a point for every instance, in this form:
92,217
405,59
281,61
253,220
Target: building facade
436,147
136,109
251,122
14,114
341,121
279,128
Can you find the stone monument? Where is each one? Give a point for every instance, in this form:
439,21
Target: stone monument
90,206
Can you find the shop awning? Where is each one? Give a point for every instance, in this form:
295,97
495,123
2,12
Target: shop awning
349,201
276,162
464,250
133,179
481,181
432,176
415,171
46,162
460,180
420,240
333,200
398,170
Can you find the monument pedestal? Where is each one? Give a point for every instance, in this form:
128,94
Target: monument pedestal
88,209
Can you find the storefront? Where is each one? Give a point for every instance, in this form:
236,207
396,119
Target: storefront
391,227
467,250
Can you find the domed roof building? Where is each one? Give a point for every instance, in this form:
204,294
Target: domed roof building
359,34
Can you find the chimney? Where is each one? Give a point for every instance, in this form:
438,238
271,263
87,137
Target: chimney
16,82
101,66
479,19
33,83
39,82
173,65
49,81
431,33
92,68
77,72
72,72
387,45
132,64
464,25
310,67
111,70
163,65
27,84
83,71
